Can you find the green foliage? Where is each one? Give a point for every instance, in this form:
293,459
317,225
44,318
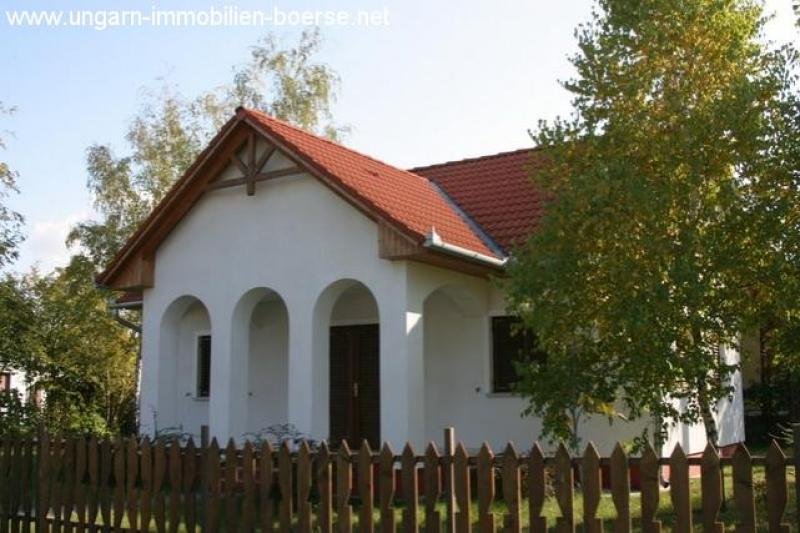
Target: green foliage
60,334
89,360
18,418
646,260
170,130
10,221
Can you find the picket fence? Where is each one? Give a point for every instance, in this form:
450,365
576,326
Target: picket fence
80,485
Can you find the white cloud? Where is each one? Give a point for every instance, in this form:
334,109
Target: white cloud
44,246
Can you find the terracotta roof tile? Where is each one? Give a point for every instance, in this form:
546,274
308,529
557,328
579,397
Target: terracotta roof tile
404,198
495,191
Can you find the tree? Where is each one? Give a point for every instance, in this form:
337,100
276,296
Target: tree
645,262
87,361
17,352
10,220
170,130
56,330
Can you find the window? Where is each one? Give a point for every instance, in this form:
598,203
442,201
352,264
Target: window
203,366
5,381
510,344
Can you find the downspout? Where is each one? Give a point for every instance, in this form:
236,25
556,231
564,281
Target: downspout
435,242
114,310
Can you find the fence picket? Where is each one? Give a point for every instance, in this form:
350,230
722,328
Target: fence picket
104,492
679,490
365,488
433,489
146,477
56,485
344,486
80,486
5,484
9,474
190,480
325,489
776,489
564,482
536,490
42,483
711,485
119,484
266,503
17,485
93,477
462,488
212,479
304,488
743,490
649,472
512,483
486,492
285,483
159,475
175,485
592,489
131,478
410,489
386,487
231,511
249,487
67,484
620,489
28,476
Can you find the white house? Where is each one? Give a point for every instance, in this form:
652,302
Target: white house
12,380
288,279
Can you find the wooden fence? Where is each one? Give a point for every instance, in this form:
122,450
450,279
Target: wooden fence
129,485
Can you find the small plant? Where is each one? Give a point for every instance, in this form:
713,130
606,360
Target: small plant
169,434
784,435
277,434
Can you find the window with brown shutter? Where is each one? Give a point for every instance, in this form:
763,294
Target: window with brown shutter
5,381
510,344
203,366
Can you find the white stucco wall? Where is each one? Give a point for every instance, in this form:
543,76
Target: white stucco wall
299,239
458,373
268,366
19,382
273,271
729,415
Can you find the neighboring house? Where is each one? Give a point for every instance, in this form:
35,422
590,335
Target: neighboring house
17,381
288,279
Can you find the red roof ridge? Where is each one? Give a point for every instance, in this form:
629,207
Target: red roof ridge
263,115
475,159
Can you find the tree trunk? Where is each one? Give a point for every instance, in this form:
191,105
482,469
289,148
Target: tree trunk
712,432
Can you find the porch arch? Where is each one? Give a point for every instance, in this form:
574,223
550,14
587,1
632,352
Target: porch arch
455,330
180,408
260,343
345,303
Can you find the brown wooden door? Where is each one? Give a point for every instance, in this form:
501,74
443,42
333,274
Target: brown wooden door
355,385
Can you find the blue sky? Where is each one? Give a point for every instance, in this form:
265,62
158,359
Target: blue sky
443,81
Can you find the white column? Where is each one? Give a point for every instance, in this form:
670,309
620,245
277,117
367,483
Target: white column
227,372
402,369
302,369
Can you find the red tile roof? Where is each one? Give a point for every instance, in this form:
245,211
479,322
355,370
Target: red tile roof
495,191
405,199
484,205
